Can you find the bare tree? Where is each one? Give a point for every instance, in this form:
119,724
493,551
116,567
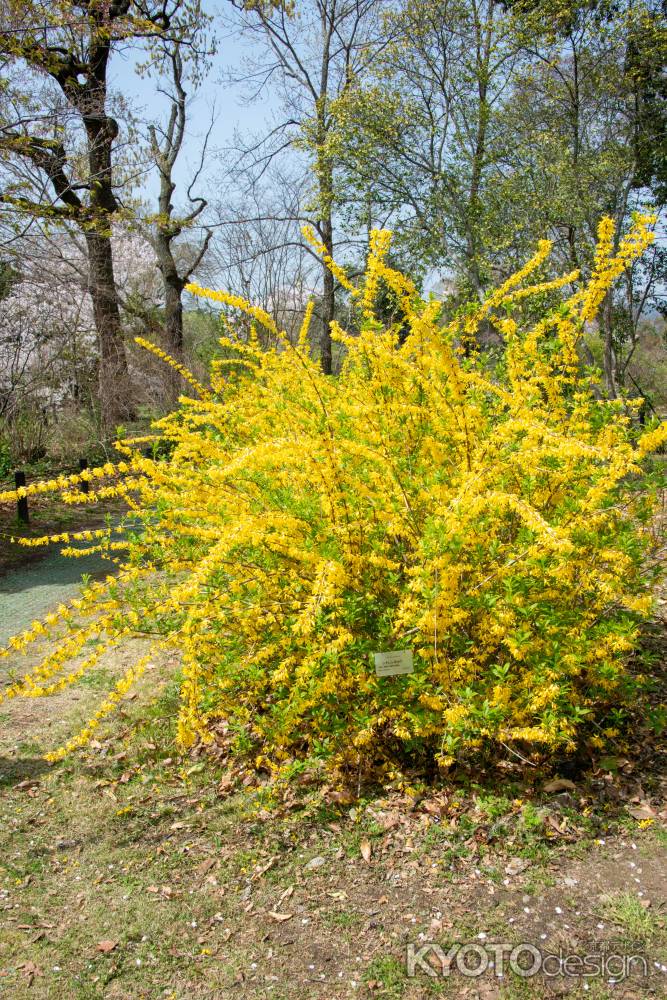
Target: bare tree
166,145
71,48
257,250
314,52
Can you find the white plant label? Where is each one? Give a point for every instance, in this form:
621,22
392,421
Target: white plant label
399,661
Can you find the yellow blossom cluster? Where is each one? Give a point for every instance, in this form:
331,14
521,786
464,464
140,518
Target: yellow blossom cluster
127,681
175,365
492,518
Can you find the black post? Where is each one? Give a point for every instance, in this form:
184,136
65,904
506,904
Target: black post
22,502
84,484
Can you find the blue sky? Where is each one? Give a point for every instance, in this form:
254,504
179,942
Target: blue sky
215,94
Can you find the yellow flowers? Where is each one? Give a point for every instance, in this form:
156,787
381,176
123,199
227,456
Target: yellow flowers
318,246
128,679
175,365
609,265
491,520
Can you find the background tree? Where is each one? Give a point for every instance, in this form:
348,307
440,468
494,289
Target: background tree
69,46
48,355
258,250
313,54
421,135
166,145
576,148
485,126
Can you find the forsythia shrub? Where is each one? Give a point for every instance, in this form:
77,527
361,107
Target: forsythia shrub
495,522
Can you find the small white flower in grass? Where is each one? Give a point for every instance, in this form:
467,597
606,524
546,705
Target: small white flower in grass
558,909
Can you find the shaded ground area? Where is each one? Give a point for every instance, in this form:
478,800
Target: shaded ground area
35,580
32,590
48,516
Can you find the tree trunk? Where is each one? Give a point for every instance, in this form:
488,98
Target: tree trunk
173,314
114,380
610,360
328,299
173,318
101,131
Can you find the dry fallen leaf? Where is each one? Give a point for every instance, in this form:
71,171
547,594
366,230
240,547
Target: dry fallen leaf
434,807
642,811
226,785
206,866
30,970
286,894
106,946
366,850
516,865
341,797
280,917
559,785
388,820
